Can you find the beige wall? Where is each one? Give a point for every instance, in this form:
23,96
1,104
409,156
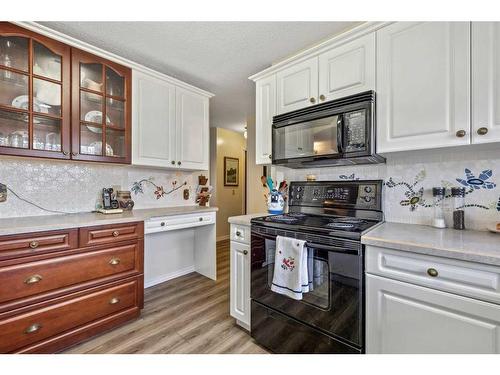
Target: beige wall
229,199
255,197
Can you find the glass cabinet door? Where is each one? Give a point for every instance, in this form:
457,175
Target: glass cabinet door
34,94
100,125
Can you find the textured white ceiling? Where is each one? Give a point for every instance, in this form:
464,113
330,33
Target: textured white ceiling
215,56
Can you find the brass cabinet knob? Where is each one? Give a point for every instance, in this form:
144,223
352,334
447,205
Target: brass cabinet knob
460,133
34,244
312,100
33,279
162,224
173,162
270,156
114,261
200,219
115,233
432,272
482,131
114,301
322,97
179,163
238,233
245,252
33,328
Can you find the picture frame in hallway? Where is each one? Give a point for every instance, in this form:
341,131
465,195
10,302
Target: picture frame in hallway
231,171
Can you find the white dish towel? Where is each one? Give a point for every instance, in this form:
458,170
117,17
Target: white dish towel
290,268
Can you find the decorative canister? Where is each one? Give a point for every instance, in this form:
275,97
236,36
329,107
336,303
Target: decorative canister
125,200
275,203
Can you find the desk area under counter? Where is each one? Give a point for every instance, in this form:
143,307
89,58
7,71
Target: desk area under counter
431,290
92,269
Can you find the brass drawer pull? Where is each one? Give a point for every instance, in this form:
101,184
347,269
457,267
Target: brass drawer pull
114,261
322,97
312,100
432,272
32,328
114,301
482,131
33,279
460,133
115,233
34,244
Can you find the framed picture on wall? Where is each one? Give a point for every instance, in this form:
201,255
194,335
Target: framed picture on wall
231,171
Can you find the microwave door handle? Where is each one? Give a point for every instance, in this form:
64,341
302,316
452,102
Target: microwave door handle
340,134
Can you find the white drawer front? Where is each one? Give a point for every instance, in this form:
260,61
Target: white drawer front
174,222
464,278
240,233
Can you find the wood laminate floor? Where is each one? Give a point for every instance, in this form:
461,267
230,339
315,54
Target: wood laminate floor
189,314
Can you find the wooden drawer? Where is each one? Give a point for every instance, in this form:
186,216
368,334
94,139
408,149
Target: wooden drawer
469,279
105,234
240,233
21,245
39,324
33,278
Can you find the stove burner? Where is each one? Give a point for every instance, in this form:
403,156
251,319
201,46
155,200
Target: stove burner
283,218
340,225
348,220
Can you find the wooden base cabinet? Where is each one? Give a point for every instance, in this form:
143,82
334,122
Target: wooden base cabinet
59,296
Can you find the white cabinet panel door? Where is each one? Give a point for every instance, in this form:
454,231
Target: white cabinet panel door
153,127
348,69
297,86
485,82
240,282
423,85
265,110
405,318
192,130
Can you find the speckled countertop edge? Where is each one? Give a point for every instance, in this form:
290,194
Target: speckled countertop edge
18,225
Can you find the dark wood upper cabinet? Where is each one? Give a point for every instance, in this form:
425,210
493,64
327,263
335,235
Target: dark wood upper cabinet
101,109
60,102
34,94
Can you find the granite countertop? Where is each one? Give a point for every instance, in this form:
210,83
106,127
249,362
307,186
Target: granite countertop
28,224
245,219
468,245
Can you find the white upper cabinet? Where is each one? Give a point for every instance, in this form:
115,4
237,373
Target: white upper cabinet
153,122
485,82
348,69
297,86
423,85
192,132
265,110
170,125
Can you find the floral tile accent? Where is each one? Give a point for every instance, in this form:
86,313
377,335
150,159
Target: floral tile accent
480,182
159,192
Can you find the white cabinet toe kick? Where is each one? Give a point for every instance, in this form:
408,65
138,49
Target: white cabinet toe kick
177,245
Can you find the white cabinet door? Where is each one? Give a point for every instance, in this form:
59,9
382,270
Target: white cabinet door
423,85
297,86
485,82
192,133
265,110
240,283
153,126
405,318
348,69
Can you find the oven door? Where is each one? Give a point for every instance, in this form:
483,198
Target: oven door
335,303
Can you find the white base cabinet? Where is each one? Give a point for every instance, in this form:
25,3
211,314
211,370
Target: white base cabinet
405,318
240,275
170,126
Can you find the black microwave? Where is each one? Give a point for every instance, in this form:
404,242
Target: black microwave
337,132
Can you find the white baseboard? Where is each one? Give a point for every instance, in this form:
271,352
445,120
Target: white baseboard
169,276
223,238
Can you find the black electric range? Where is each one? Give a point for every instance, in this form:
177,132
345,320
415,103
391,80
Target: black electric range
331,216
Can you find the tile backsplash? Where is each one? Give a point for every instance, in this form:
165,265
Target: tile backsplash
75,186
409,178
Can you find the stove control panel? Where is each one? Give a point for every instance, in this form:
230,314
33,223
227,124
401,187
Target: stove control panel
349,194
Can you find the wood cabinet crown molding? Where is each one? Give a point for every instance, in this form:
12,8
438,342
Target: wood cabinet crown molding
336,41
73,42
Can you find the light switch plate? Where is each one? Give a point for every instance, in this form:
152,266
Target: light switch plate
3,193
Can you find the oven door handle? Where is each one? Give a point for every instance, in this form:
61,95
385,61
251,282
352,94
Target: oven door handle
333,249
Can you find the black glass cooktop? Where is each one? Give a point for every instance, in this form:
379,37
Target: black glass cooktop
343,226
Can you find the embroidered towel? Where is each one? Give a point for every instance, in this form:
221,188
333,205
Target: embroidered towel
290,268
